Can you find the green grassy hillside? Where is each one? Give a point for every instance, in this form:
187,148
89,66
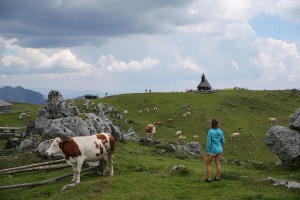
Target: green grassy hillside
12,118
141,173
234,109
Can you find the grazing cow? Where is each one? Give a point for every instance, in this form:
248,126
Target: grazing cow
181,139
195,137
177,133
234,135
170,120
77,150
150,130
158,123
155,109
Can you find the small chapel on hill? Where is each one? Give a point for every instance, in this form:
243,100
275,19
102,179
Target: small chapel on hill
204,84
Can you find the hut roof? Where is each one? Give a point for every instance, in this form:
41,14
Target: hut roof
204,84
4,103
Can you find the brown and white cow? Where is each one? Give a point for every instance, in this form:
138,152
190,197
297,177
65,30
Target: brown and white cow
77,150
150,130
158,123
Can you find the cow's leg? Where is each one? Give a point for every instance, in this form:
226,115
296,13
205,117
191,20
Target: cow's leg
77,170
111,162
99,169
103,161
74,173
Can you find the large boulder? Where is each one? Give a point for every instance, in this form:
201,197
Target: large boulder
12,143
295,120
66,128
193,148
285,142
27,144
55,108
58,118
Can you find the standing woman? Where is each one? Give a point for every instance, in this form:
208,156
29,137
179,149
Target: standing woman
214,149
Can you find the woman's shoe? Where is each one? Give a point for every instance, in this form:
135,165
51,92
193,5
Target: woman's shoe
216,179
207,181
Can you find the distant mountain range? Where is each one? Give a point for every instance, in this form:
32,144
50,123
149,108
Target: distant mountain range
21,95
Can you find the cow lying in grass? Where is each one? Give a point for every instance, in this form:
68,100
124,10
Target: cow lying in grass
77,150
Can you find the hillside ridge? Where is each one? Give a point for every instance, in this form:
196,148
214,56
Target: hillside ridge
21,95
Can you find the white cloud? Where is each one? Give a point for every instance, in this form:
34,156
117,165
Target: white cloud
279,60
288,9
178,37
111,64
30,60
9,60
189,64
235,65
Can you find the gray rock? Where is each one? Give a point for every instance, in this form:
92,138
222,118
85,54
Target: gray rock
295,120
131,135
66,128
55,108
193,148
285,183
146,140
42,148
285,143
11,143
159,151
177,167
58,118
27,145
170,147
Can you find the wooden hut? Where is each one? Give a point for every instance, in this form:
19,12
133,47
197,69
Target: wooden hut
5,106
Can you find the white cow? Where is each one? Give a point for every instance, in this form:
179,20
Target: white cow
234,135
77,150
272,119
181,139
177,133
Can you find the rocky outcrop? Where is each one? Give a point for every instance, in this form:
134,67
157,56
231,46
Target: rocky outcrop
27,144
285,142
295,120
58,118
285,183
56,109
193,148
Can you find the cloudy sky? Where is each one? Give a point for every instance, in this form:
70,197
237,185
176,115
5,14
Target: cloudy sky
126,46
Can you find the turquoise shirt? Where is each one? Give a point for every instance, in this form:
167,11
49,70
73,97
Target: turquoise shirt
215,139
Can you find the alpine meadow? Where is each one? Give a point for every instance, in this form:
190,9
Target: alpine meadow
143,172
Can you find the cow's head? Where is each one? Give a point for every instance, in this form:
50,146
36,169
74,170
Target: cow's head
54,148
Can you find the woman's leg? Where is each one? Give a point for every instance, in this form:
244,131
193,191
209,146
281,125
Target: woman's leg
218,165
208,166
